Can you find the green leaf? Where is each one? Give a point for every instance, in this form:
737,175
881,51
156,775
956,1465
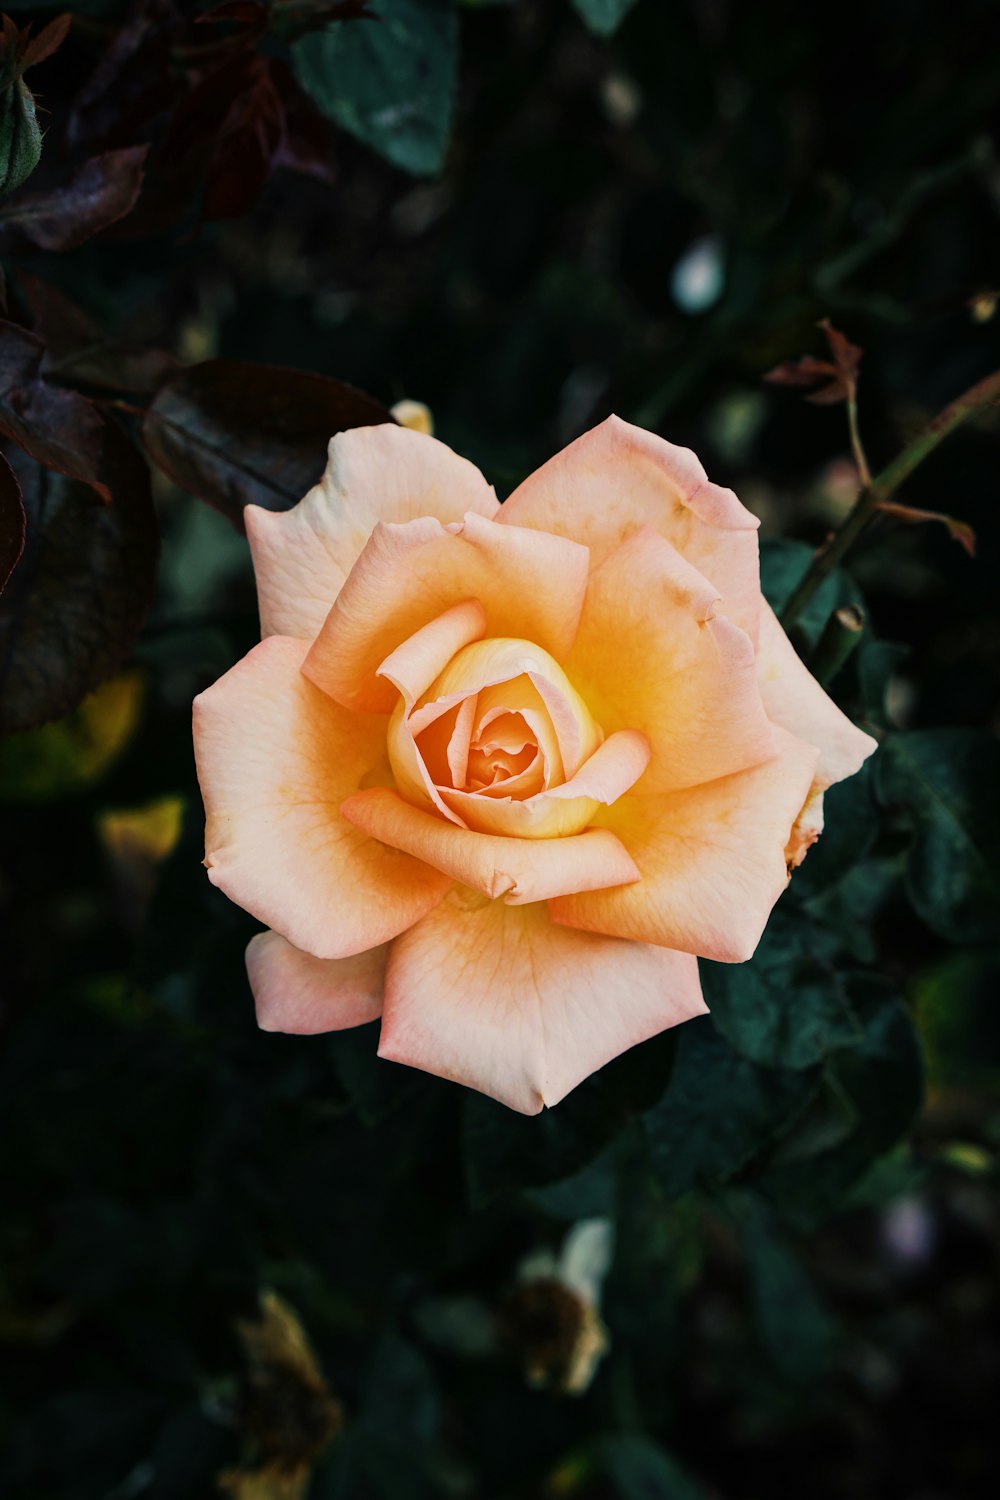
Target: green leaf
787,1007
795,1329
57,759
376,1088
783,565
959,1019
507,1153
850,908
389,80
236,434
78,596
641,1470
877,662
719,1111
401,1401
871,1093
945,783
603,16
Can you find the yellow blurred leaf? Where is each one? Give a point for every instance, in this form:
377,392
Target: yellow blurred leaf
72,752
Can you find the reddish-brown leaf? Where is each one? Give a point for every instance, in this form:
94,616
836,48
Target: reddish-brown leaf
250,17
307,143
60,429
846,356
246,142
98,194
78,352
236,434
133,85
12,522
959,531
48,40
800,372
76,601
839,374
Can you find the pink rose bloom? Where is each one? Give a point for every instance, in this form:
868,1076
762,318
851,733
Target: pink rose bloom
499,775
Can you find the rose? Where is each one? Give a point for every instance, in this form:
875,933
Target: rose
501,774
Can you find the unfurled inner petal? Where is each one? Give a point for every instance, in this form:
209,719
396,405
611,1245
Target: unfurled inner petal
518,677
561,810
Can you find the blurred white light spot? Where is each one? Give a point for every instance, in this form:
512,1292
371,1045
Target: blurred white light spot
908,1231
621,99
697,279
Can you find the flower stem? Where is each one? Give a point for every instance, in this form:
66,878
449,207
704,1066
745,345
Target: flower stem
884,485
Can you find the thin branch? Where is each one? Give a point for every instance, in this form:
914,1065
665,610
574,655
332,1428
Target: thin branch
857,447
883,487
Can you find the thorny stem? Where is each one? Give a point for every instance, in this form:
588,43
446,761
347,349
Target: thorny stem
875,491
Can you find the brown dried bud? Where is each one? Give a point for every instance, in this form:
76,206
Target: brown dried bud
557,1334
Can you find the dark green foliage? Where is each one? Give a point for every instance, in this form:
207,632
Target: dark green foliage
604,16
867,1097
639,1470
944,784
788,1007
389,80
719,1111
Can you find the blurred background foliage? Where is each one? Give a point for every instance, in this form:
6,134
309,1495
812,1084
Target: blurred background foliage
756,1257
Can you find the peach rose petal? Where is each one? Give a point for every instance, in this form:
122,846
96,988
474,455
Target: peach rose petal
565,809
276,758
794,699
411,669
618,478
712,860
502,1000
500,671
302,556
414,665
530,584
520,870
297,993
652,654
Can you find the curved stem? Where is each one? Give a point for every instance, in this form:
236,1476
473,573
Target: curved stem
884,486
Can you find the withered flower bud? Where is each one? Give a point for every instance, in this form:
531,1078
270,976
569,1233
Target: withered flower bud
556,1332
288,1412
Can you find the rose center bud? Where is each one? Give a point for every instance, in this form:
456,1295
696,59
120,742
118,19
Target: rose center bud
502,724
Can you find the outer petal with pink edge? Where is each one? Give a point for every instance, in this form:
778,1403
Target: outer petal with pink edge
653,654
794,699
276,758
519,869
531,586
298,993
712,860
617,478
302,556
502,1000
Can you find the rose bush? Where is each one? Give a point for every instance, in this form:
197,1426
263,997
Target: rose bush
501,774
